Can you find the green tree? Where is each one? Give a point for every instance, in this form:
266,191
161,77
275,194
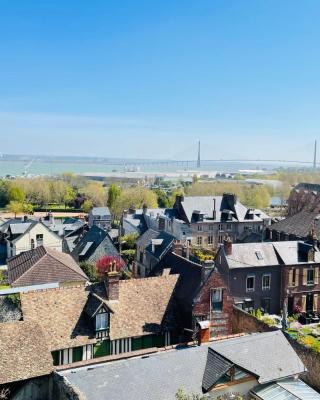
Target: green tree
114,193
90,270
95,192
15,207
164,200
16,194
27,208
69,196
129,240
87,206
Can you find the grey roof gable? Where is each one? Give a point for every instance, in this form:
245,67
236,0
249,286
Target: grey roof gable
246,255
216,367
269,355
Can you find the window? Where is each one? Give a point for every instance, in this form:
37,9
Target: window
141,257
310,277
220,227
250,283
229,227
32,244
199,240
200,228
220,239
266,282
39,239
216,300
211,227
210,239
101,321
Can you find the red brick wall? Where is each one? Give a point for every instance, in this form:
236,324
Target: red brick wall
202,304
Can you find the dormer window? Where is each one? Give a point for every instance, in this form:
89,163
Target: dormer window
102,321
311,255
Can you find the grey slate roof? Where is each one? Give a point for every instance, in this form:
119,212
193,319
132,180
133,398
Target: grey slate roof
102,211
299,224
216,367
205,204
95,244
164,238
269,355
245,255
156,377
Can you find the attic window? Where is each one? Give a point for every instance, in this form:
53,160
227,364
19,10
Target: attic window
101,321
259,255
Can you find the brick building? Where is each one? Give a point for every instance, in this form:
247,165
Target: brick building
201,294
304,196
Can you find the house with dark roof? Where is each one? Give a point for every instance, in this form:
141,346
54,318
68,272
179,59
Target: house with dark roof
100,217
43,265
271,274
151,247
203,301
244,365
93,245
300,226
28,235
212,217
304,196
108,318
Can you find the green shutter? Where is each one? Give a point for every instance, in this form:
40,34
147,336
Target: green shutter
55,357
159,341
101,349
147,341
77,354
137,343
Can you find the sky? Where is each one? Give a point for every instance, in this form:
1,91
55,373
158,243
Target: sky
148,79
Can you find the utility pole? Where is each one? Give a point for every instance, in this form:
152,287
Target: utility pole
315,156
198,161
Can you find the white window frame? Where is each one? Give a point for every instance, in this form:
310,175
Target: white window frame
210,239
250,290
102,321
199,240
229,226
263,286
200,228
220,227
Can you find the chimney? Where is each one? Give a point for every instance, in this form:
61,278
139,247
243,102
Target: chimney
229,200
144,209
177,247
214,213
51,218
124,213
227,244
112,282
25,218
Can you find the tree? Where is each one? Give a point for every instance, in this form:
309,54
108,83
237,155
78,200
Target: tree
114,193
69,196
87,206
15,207
4,195
95,192
27,208
105,263
129,241
90,269
164,200
16,194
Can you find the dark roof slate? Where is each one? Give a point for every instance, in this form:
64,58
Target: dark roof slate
216,367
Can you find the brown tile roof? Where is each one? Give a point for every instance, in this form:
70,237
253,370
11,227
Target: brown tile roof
60,314
43,265
142,307
24,353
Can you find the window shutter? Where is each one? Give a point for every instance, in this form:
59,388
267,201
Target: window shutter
290,277
305,272
297,280
304,302
316,275
315,302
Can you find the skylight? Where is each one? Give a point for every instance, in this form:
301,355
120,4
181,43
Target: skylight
259,255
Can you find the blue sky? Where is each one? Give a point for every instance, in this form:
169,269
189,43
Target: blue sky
149,78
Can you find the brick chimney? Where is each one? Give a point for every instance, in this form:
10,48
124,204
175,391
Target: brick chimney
227,244
177,247
112,282
214,212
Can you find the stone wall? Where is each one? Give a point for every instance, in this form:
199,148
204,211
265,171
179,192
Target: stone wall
62,390
243,322
311,360
34,389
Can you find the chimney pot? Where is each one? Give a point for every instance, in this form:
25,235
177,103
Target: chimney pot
112,283
227,244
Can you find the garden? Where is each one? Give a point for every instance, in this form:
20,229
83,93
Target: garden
308,336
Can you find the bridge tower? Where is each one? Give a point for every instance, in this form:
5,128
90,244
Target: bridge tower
198,161
315,156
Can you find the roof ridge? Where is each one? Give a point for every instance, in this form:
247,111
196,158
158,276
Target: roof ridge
71,286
